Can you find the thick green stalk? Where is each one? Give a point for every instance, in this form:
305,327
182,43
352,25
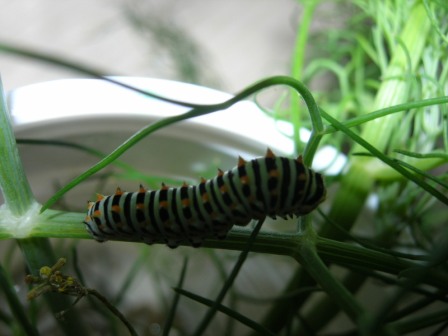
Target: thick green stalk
14,304
20,213
357,182
13,182
394,90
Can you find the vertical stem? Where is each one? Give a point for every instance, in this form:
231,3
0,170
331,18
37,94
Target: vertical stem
15,305
302,38
357,182
298,60
309,258
19,199
394,90
13,181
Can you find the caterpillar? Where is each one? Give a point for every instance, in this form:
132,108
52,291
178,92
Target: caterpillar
266,186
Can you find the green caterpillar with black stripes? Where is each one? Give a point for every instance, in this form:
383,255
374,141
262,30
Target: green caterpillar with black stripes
267,186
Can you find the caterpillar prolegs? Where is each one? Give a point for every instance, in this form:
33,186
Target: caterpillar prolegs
267,186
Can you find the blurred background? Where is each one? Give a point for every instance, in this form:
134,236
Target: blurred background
225,45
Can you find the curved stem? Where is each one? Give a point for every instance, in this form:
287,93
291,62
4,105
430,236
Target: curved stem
200,111
311,261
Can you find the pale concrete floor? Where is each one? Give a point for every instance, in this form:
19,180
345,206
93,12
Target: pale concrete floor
238,41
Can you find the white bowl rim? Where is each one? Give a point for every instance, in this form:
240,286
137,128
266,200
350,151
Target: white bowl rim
68,100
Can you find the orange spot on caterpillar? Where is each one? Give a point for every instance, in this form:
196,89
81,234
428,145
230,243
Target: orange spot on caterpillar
118,192
140,206
141,189
97,214
116,208
269,153
163,204
99,197
300,159
203,180
302,177
164,186
244,179
220,172
184,185
241,161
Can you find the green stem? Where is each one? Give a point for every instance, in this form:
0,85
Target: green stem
322,310
229,281
394,90
358,181
298,60
113,309
15,305
310,260
59,224
174,305
16,221
13,181
228,311
420,322
399,108
267,242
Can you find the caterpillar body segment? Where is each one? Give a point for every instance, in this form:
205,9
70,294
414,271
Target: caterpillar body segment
267,186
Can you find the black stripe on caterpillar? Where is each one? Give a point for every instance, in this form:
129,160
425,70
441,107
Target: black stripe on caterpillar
267,186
